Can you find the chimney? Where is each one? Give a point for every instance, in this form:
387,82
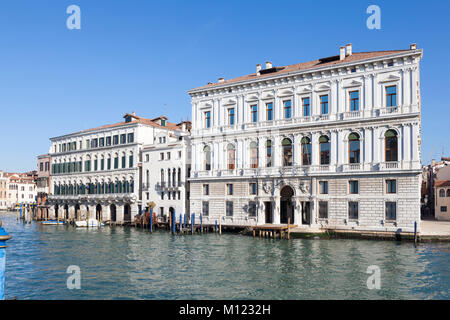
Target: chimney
349,49
221,80
133,113
413,46
258,69
342,54
268,65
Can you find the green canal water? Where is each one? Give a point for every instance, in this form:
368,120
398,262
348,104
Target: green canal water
129,263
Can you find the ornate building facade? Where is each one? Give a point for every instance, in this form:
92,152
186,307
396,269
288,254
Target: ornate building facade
331,143
97,173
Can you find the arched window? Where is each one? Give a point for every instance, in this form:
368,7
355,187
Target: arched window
231,157
174,177
286,145
162,177
179,177
306,151
268,153
448,192
324,146
168,177
442,193
353,148
391,146
207,158
253,155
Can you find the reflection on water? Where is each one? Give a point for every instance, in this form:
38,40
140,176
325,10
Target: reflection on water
128,263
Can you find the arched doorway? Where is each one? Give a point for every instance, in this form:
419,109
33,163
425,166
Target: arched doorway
77,212
113,212
127,213
98,212
286,205
56,211
66,212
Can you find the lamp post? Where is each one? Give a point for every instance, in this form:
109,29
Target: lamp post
3,238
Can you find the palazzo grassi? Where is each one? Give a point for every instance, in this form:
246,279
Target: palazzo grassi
330,143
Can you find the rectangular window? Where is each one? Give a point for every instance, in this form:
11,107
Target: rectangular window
208,119
391,186
206,189
323,210
168,155
94,143
254,113
231,116
354,100
287,109
131,137
324,104
229,208
391,211
353,210
229,189
323,187
252,209
353,187
108,141
252,188
123,138
88,143
444,209
116,140
391,96
269,111
161,156
205,208
306,107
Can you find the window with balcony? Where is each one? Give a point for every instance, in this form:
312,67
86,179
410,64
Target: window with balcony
324,104
353,210
391,146
306,107
207,119
231,157
354,100
254,113
287,109
324,148
353,148
306,151
391,211
286,145
207,158
269,111
231,116
253,155
268,153
391,96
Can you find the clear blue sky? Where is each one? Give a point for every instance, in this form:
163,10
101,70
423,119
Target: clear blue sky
144,55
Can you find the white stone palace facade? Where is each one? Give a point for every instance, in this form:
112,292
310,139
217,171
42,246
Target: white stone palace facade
97,173
331,143
166,168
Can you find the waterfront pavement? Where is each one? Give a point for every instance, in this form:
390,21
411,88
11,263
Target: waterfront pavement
435,230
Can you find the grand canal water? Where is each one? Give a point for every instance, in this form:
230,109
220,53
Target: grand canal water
128,263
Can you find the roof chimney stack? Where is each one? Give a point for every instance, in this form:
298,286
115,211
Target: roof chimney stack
413,46
342,53
221,80
258,69
268,65
349,49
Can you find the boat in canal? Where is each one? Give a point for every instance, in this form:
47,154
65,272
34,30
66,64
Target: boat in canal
53,223
90,223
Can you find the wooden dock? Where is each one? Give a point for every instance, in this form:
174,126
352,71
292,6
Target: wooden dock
274,230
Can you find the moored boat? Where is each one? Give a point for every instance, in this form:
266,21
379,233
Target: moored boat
52,223
90,223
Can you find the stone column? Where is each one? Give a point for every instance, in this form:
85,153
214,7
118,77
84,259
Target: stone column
297,212
276,210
